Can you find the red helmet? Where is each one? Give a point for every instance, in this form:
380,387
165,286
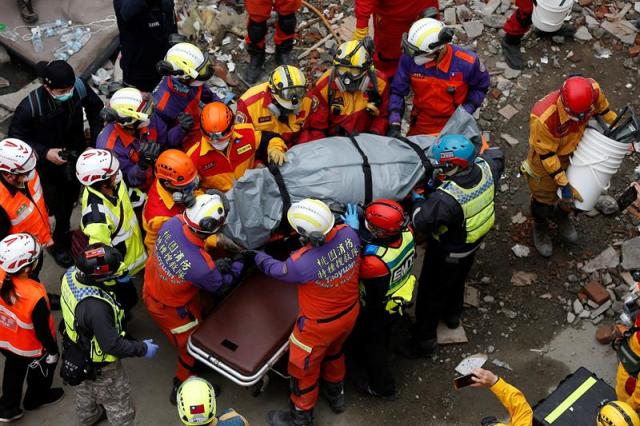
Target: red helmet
385,218
578,96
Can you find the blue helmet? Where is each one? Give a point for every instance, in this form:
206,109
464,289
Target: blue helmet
455,150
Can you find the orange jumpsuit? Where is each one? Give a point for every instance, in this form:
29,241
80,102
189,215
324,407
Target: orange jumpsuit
329,306
348,112
219,170
253,108
553,137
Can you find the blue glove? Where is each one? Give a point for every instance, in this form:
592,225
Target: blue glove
415,196
152,348
124,279
351,217
567,193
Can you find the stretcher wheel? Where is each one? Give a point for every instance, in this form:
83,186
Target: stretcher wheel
259,387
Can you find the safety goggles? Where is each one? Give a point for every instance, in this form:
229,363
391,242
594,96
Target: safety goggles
352,73
186,189
410,50
575,116
143,113
292,94
219,136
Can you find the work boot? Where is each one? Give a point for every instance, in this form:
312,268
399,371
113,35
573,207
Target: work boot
566,230
9,415
29,16
293,417
511,51
566,30
62,256
54,396
256,64
542,238
173,397
282,54
334,394
414,349
363,388
452,321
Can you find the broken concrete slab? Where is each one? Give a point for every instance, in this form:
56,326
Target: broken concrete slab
4,56
522,278
518,218
520,250
447,336
510,73
494,21
609,258
508,111
607,205
601,310
583,34
503,84
577,307
509,139
450,16
571,317
471,297
631,254
11,100
491,7
473,28
463,13
623,30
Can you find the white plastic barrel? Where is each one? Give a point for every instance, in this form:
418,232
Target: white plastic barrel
548,15
593,163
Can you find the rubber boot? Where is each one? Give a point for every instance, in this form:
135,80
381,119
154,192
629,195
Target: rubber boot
511,51
334,394
292,417
256,65
566,230
29,16
283,52
452,321
542,238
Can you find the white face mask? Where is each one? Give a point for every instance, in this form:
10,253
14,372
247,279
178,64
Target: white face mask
220,145
424,59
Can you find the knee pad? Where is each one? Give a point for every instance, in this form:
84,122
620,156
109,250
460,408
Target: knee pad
287,23
256,31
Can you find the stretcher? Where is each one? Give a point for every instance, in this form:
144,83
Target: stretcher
247,333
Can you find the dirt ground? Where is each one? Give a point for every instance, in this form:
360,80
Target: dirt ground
427,396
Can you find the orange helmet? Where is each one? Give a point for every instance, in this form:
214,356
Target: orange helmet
176,168
216,121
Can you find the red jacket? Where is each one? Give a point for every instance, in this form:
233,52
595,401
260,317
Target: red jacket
391,9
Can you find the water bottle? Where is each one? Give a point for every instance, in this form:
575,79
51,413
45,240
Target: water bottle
36,39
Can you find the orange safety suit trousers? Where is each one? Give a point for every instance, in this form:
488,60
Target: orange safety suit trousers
543,187
177,324
259,12
315,350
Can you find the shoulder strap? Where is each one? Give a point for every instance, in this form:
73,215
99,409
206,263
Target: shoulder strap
366,170
284,194
426,163
80,88
35,104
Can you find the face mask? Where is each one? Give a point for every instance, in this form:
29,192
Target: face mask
64,97
196,83
219,145
423,59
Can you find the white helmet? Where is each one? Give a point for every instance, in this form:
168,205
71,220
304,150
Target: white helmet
426,36
95,165
16,157
131,105
189,62
18,251
310,216
208,213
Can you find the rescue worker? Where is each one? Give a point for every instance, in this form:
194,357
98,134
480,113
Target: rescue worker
628,351
277,106
442,76
386,289
93,326
182,92
351,97
197,406
391,19
144,27
259,12
455,217
517,26
178,268
136,135
511,398
173,190
326,269
50,119
22,206
556,126
27,331
108,217
227,150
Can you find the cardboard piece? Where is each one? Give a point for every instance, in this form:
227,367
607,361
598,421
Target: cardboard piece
446,336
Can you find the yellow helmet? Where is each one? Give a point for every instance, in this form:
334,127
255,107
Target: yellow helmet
188,62
131,105
351,63
288,86
617,413
196,402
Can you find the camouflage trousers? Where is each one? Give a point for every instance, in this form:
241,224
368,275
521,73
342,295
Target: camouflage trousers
110,392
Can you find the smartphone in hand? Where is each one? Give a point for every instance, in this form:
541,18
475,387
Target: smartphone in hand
463,381
627,198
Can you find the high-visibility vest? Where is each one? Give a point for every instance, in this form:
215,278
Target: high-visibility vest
27,213
399,261
114,224
73,292
17,333
477,203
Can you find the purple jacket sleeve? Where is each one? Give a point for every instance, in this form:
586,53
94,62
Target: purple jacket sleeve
479,82
132,173
400,88
168,138
283,271
213,280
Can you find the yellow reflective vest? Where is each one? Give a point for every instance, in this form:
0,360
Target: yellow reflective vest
113,222
73,292
477,203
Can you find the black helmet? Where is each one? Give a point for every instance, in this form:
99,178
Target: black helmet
99,262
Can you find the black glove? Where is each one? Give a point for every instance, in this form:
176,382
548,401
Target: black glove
148,152
394,131
185,120
224,265
249,256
